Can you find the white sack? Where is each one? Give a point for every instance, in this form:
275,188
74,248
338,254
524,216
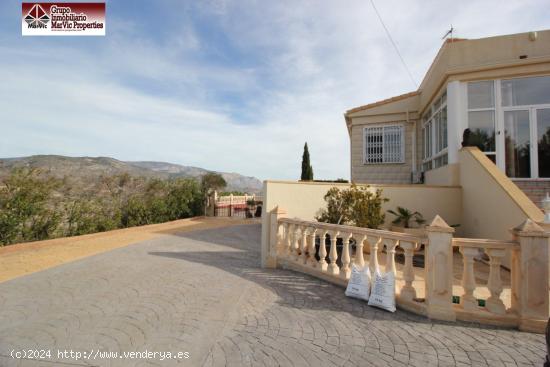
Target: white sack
359,283
383,291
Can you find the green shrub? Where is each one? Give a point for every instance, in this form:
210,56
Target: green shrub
27,209
357,206
405,216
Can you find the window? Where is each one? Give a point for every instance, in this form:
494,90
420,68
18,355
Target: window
481,116
384,144
481,95
434,133
526,91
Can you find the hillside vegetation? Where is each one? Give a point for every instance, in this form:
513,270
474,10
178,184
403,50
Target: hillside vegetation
49,196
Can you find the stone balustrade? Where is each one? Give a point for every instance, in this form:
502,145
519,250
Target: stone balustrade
328,251
237,199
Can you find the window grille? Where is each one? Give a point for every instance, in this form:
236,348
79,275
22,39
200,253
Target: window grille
384,144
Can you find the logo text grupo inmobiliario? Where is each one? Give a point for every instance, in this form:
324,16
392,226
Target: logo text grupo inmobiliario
63,19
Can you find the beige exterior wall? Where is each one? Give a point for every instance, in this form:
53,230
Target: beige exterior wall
448,175
394,173
304,200
492,204
401,111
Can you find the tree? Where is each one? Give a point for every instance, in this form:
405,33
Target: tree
185,198
307,169
212,181
338,210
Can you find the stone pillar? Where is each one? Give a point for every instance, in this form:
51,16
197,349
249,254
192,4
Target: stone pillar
269,258
211,199
439,271
531,276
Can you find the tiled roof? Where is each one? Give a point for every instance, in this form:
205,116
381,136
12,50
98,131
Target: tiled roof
382,102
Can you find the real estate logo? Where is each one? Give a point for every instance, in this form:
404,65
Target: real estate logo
63,19
37,17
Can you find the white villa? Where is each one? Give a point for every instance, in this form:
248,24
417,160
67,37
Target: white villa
491,187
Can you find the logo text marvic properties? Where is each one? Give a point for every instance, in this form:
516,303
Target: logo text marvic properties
63,19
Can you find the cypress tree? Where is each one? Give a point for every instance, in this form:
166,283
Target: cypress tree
307,169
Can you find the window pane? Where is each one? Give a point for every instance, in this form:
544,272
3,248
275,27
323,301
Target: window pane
526,91
437,127
543,139
517,143
392,144
481,95
373,145
437,104
444,127
482,128
429,139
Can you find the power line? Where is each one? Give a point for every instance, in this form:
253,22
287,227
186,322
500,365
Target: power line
393,43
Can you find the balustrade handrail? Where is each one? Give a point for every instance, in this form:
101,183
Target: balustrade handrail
484,243
242,198
405,237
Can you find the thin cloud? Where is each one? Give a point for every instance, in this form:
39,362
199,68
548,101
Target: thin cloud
232,85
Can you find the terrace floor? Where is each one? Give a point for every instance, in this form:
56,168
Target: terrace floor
203,292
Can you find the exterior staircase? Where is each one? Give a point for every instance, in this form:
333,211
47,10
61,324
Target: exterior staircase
534,189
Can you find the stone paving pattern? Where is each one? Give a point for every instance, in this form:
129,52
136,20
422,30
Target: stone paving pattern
204,293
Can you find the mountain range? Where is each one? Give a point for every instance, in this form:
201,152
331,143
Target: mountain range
86,169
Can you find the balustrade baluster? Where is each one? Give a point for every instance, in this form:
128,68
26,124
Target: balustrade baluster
468,301
303,249
359,259
311,261
345,271
373,261
280,239
333,267
390,255
289,240
285,240
296,249
323,251
494,303
407,291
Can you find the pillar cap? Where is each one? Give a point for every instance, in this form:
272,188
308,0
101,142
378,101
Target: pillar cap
439,225
529,228
278,210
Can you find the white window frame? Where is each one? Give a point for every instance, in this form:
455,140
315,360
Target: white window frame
494,109
433,153
383,126
499,110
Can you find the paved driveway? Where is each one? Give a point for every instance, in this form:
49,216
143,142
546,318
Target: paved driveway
203,293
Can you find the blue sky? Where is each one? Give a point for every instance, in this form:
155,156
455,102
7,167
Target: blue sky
234,86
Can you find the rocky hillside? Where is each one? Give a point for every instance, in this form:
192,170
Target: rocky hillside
86,170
